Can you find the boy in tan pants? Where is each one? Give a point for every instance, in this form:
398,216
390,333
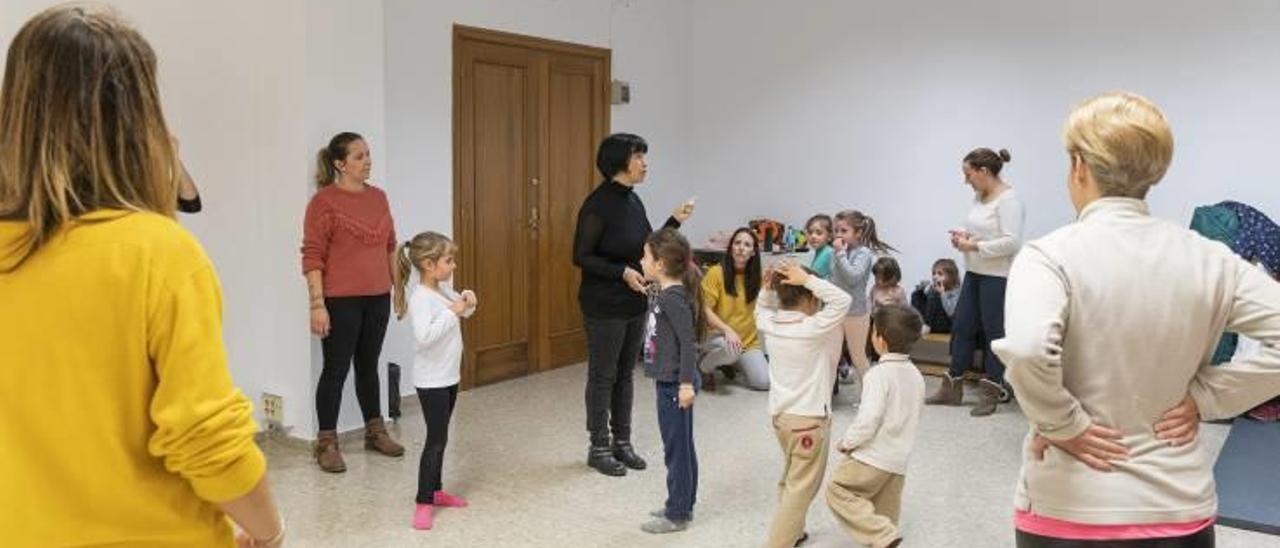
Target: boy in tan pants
865,492
800,316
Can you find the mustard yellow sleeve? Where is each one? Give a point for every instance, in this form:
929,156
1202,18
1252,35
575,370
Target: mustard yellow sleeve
204,426
712,287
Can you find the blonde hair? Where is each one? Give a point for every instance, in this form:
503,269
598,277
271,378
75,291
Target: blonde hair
1123,139
431,246
81,127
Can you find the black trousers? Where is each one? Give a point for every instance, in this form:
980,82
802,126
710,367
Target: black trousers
613,347
437,409
357,326
979,320
1203,539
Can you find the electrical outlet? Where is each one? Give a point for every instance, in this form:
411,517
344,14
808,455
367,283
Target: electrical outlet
273,409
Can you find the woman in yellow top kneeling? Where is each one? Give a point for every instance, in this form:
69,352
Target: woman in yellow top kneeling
121,425
729,292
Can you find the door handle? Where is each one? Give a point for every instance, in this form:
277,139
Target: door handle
533,211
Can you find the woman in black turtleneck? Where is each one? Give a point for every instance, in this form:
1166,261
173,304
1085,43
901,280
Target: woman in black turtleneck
612,227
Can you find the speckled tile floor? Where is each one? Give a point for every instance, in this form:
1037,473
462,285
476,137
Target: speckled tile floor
517,452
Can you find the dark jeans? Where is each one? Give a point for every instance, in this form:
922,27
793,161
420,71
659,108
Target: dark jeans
437,409
613,347
356,328
979,319
676,427
1203,539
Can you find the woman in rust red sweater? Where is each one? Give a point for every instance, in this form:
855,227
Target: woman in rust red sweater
348,256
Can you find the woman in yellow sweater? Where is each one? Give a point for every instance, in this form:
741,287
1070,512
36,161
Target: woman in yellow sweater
729,292
121,426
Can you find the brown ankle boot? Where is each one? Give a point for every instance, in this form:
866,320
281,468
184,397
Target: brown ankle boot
377,439
951,392
327,454
988,398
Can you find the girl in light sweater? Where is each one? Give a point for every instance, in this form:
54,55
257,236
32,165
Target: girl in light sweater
435,311
856,246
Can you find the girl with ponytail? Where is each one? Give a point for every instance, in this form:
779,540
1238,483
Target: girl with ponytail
856,245
670,352
434,310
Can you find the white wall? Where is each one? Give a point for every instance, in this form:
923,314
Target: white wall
649,39
872,105
234,105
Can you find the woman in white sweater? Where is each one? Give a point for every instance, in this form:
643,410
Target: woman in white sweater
1098,351
991,237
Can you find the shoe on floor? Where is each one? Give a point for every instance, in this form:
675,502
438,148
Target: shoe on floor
729,372
422,520
988,399
377,439
441,498
662,526
662,513
709,382
626,454
601,458
950,392
846,375
327,453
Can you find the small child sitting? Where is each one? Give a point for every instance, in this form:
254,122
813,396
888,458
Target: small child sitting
888,289
936,300
865,492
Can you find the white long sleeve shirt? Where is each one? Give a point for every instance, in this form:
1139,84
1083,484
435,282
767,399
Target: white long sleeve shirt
1112,320
884,429
997,226
437,337
803,349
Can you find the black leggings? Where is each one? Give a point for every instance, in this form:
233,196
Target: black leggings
437,409
356,328
979,320
1202,539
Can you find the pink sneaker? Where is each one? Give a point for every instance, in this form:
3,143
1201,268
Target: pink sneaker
422,517
449,501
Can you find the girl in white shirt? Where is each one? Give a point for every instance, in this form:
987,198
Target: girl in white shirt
435,311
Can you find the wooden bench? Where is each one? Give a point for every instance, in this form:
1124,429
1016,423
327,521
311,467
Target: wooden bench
932,355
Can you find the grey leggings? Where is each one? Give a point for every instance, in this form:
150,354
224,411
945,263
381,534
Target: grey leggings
752,362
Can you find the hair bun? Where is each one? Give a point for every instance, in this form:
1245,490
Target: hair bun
1005,156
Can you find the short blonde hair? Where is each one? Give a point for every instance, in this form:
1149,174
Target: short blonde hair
1123,139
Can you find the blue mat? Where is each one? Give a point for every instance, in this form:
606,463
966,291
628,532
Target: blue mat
1248,476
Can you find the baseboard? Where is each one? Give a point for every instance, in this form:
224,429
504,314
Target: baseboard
285,437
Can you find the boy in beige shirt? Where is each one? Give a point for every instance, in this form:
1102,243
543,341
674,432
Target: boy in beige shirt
865,492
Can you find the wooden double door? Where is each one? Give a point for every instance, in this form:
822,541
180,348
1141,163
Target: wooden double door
528,115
